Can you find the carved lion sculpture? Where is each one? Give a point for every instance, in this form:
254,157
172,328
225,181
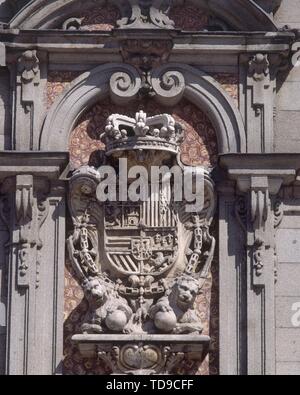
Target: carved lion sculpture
107,310
175,313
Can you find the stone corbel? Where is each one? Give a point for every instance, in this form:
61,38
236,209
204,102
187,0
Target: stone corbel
258,190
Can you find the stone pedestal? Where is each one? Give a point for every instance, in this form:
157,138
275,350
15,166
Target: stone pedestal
141,354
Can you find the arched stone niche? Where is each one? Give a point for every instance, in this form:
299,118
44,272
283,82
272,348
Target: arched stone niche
209,130
123,83
198,148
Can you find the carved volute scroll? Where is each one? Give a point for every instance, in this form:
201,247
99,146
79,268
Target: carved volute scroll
141,264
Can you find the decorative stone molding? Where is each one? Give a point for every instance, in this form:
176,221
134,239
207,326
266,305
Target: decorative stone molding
259,80
141,264
143,354
30,212
123,83
240,14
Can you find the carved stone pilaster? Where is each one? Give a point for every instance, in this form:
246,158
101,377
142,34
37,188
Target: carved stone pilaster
259,104
259,212
2,55
167,86
257,221
28,76
27,210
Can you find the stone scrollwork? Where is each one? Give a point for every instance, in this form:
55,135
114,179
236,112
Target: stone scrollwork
148,14
124,86
141,263
169,86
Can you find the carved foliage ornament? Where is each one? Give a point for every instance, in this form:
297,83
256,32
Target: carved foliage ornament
136,14
141,263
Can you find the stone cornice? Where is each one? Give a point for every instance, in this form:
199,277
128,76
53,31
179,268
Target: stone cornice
279,169
40,164
110,43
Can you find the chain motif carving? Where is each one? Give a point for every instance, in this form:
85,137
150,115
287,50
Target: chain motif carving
141,264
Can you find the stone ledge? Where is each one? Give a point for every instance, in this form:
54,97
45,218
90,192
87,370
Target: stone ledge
37,163
192,347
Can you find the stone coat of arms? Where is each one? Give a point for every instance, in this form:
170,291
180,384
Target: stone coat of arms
141,263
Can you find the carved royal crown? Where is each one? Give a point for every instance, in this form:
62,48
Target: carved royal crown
160,132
